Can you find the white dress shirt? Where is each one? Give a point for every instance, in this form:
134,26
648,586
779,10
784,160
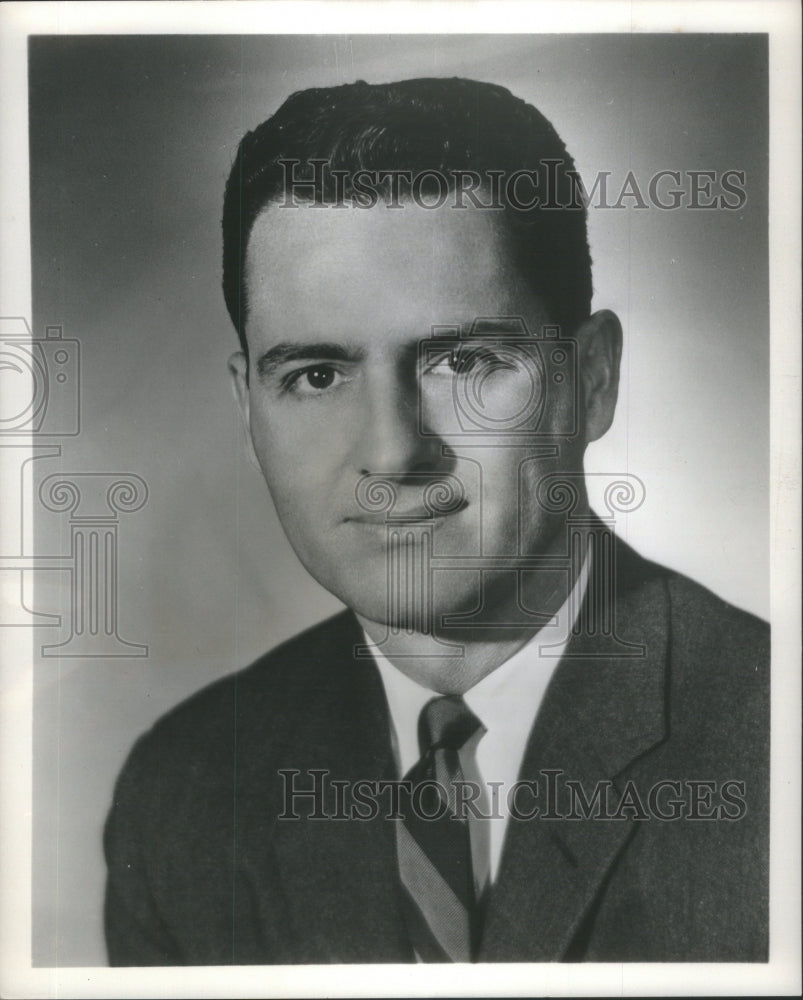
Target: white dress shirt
506,702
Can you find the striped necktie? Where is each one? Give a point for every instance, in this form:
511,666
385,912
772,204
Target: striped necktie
433,841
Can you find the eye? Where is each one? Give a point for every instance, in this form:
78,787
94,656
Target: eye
443,363
467,360
314,380
319,378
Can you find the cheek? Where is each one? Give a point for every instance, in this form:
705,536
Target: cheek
553,487
515,480
299,462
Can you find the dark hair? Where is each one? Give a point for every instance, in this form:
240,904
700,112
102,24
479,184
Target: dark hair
443,125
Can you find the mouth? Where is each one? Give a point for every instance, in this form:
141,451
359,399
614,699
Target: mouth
413,515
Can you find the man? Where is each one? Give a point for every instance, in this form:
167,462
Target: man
521,742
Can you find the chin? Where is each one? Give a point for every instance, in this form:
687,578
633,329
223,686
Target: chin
404,612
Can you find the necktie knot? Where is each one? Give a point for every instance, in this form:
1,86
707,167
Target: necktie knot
446,721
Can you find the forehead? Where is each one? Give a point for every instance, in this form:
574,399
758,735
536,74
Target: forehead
379,274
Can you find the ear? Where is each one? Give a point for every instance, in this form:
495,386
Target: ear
238,369
600,346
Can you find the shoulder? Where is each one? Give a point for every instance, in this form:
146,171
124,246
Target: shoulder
717,655
720,664
205,734
696,617
708,630
305,661
718,672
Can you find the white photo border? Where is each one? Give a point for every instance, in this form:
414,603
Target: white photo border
778,18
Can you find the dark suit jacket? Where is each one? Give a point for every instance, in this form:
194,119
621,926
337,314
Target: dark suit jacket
202,871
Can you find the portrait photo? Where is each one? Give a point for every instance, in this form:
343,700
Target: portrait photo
394,500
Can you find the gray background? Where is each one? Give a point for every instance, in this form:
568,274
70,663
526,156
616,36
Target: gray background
131,142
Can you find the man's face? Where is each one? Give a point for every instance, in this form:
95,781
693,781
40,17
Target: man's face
339,302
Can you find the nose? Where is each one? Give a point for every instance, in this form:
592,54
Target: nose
391,438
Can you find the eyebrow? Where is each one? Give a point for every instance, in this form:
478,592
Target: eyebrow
280,354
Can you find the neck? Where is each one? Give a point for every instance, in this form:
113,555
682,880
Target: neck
479,648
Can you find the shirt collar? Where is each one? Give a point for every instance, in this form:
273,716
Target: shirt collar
509,696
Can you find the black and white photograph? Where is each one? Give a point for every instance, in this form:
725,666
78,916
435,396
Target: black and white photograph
400,472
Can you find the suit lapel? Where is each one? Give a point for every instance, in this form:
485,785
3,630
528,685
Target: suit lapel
340,875
597,716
